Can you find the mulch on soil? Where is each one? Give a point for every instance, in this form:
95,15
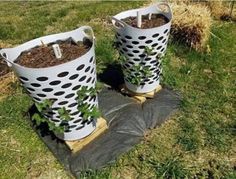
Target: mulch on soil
155,21
43,56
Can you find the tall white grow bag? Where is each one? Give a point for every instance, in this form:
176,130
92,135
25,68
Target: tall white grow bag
132,42
60,83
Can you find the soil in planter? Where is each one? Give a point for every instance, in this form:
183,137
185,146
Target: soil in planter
155,21
43,56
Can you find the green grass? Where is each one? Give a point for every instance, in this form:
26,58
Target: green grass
198,141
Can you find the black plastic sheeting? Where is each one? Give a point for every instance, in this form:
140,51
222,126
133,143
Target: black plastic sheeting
127,120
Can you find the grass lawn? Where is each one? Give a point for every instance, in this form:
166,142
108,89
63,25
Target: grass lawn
199,141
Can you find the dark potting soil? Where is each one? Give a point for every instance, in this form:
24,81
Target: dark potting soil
43,56
155,21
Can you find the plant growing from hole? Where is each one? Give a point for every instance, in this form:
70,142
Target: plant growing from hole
44,107
148,50
141,73
86,110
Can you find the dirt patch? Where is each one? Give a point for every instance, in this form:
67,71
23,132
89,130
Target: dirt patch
155,21
43,56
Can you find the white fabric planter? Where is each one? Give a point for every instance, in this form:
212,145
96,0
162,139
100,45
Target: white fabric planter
60,82
132,41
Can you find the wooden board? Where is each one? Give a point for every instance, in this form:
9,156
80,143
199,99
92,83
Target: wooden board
77,145
140,97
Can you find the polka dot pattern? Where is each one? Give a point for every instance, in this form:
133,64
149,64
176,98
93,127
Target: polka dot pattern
61,86
133,46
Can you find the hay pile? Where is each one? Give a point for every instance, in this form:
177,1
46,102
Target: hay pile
191,25
6,82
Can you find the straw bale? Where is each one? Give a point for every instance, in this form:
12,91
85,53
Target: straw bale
191,25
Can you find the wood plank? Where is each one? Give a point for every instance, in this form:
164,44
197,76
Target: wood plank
77,145
140,97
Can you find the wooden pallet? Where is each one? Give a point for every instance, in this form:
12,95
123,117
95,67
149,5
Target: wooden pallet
140,97
77,145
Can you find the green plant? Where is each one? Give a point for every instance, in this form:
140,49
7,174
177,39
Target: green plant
141,73
148,50
43,108
86,110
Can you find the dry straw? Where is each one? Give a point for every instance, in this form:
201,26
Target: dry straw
191,24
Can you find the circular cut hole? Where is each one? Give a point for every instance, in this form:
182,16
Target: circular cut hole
128,37
136,59
155,35
93,81
135,51
63,74
160,38
47,89
125,49
141,47
80,67
87,69
141,37
59,93
142,55
63,103
154,45
35,85
129,46
91,60
24,78
41,95
70,95
76,87
123,40
147,59
74,113
74,77
88,80
37,99
30,89
72,105
159,47
77,121
82,78
56,82
42,78
135,42
148,41
66,85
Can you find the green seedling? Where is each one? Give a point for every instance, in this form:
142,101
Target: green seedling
148,50
141,73
122,59
84,107
64,114
43,108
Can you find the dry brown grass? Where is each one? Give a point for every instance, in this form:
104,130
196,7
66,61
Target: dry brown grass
5,84
191,25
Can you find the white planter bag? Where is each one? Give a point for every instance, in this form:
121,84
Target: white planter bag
132,41
60,82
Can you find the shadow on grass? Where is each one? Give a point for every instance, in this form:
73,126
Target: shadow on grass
42,129
112,76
